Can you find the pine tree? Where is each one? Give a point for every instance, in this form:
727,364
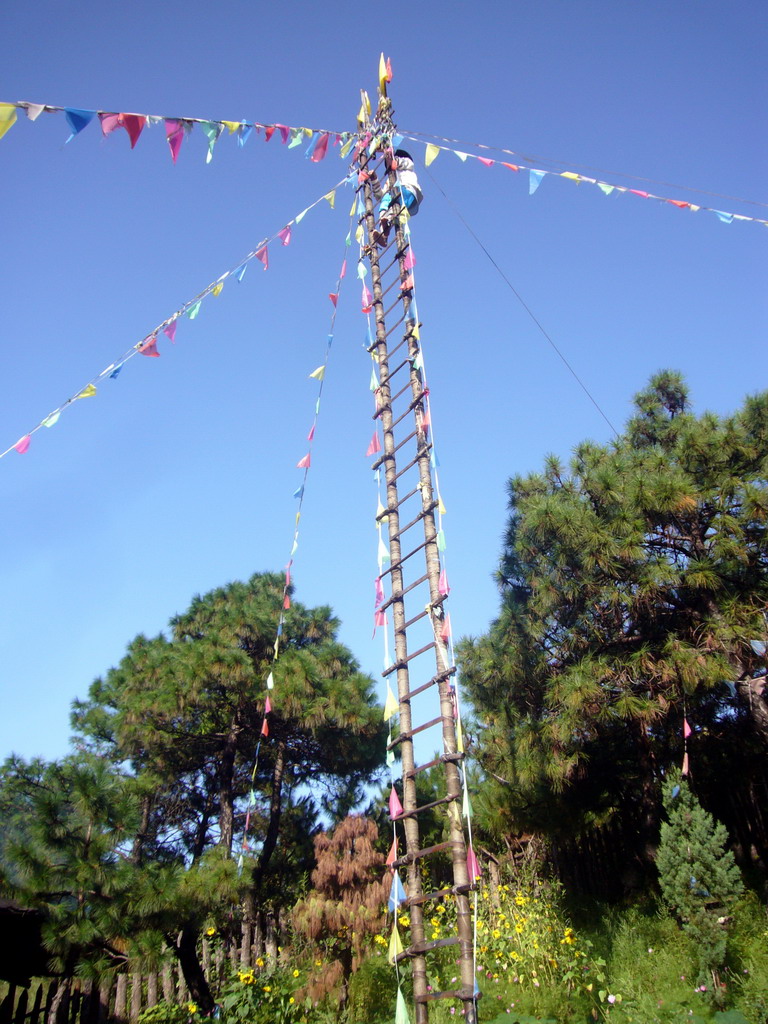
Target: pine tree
349,892
633,587
698,876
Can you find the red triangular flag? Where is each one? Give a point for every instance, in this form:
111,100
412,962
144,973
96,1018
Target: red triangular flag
286,601
134,125
334,297
269,131
304,463
407,284
311,434
375,445
265,728
392,855
263,256
442,584
395,807
512,167
149,347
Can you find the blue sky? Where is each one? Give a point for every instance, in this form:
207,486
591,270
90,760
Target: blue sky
178,476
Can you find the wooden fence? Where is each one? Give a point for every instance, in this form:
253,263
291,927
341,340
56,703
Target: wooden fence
121,1000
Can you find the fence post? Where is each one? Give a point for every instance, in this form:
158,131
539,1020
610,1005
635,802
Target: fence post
152,990
136,996
121,998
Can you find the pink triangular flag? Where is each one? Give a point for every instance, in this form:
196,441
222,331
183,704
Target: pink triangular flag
311,434
473,865
285,131
407,284
687,730
170,331
109,122
379,592
334,297
175,135
267,705
375,445
134,125
442,584
22,444
409,262
367,299
486,161
379,619
262,255
343,271
304,463
395,807
287,602
321,148
685,764
285,235
445,630
149,347
425,421
392,855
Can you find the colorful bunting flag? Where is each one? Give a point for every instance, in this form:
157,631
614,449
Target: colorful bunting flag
285,235
473,865
401,1010
534,180
396,893
88,391
134,125
319,373
321,148
391,707
170,331
375,446
395,807
78,119
149,347
262,255
22,445
306,462
175,136
395,945
431,154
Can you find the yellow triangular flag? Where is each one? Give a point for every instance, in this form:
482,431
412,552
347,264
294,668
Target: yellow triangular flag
331,197
232,125
88,392
382,75
217,288
571,175
7,117
380,512
415,332
358,230
441,507
319,373
432,152
346,147
459,737
391,707
395,944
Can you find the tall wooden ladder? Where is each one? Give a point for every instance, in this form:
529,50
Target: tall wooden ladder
414,572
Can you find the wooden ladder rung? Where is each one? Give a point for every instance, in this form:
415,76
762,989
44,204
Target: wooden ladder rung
459,993
450,891
433,803
404,661
409,733
424,947
443,759
400,594
409,858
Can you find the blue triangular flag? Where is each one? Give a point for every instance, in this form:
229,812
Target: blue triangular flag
299,492
243,132
396,894
78,119
240,271
116,371
534,180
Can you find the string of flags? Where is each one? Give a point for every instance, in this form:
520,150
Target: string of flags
315,140
304,463
537,175
148,346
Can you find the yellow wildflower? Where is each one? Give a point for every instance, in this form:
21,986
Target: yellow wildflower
210,931
192,1008
295,973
